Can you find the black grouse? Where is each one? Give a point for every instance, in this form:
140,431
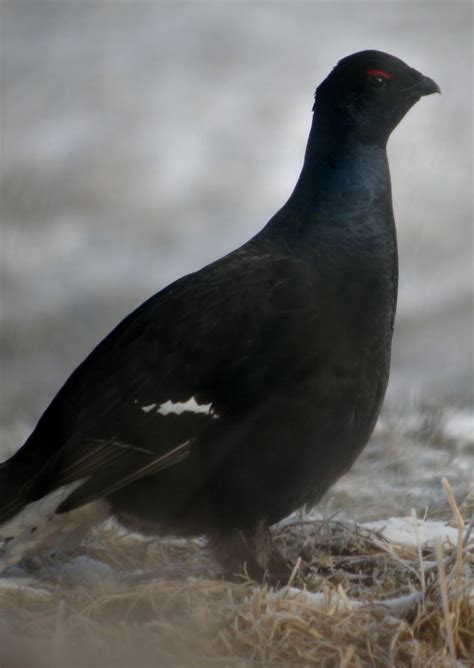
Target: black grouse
244,390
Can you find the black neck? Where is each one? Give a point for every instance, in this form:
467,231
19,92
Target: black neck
341,171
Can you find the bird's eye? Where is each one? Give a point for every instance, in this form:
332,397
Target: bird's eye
377,81
378,78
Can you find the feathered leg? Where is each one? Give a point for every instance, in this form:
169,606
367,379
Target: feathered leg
252,552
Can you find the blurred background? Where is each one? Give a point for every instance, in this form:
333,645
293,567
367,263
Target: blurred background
141,140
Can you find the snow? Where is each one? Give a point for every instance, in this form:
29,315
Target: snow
86,572
338,602
401,530
459,425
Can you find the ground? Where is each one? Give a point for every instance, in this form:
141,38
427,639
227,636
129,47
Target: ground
386,593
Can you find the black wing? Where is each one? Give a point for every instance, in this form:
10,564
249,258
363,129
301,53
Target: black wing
222,338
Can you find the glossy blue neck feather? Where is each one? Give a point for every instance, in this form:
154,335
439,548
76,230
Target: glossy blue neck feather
342,173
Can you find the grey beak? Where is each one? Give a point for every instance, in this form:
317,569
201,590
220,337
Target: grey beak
427,86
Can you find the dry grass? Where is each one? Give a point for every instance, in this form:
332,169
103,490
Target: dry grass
355,599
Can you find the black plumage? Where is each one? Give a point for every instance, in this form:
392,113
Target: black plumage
243,390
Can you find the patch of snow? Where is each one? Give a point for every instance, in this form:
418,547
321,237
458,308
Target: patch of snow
459,425
401,530
85,571
338,602
397,530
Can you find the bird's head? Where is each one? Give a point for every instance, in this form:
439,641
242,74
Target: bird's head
368,93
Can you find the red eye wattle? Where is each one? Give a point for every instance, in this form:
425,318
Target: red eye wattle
379,73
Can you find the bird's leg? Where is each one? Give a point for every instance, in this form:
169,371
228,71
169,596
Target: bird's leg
253,552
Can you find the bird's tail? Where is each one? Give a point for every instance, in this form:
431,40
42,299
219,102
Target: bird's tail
11,504
29,523
11,499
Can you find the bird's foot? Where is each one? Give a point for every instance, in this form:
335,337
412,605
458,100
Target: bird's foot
251,554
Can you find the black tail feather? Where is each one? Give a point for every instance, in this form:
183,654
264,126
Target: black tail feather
11,497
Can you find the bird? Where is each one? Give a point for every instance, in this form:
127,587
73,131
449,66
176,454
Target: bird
242,391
